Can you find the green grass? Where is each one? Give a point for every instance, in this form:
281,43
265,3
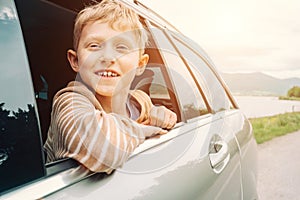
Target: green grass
266,128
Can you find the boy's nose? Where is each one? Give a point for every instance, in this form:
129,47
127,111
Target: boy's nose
108,55
108,60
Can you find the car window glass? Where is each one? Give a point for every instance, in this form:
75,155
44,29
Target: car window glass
213,89
152,82
158,89
189,96
21,158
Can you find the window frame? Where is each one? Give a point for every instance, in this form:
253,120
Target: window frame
208,63
210,85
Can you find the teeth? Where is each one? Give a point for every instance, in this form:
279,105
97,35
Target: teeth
108,74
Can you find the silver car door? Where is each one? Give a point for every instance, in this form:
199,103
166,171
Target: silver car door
223,148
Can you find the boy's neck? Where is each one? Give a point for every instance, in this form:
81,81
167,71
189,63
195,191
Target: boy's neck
114,104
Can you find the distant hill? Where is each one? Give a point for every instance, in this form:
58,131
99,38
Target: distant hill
258,84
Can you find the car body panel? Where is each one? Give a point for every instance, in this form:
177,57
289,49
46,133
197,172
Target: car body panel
187,176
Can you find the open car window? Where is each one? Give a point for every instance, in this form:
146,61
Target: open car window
46,49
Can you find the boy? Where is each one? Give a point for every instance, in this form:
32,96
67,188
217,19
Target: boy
96,119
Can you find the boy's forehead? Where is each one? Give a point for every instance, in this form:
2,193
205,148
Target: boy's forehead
107,31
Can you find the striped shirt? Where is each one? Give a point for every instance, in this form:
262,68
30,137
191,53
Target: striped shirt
82,130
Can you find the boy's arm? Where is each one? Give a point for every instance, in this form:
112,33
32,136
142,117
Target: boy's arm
100,141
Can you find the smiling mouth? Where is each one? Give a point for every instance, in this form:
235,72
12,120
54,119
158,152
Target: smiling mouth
107,74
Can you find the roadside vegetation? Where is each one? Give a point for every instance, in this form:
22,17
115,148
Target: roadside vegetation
292,94
267,128
289,98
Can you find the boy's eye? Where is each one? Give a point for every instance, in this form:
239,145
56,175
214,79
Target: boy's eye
122,48
95,46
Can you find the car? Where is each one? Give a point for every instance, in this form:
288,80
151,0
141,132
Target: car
209,154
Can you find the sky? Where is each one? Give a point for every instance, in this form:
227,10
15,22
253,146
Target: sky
240,35
15,81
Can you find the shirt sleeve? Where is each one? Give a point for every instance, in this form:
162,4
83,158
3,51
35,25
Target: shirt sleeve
98,140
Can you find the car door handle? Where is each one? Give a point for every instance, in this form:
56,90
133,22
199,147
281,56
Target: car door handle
219,155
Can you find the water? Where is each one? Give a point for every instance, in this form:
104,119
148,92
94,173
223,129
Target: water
260,106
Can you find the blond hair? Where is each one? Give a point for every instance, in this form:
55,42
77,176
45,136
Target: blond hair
119,17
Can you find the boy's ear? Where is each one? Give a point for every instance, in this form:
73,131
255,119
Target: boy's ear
142,64
72,57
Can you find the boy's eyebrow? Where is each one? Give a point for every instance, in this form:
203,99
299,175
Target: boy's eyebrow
100,38
95,37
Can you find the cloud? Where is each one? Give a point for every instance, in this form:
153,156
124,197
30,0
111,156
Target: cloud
255,60
7,13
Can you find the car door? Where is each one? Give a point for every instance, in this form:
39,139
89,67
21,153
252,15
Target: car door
201,94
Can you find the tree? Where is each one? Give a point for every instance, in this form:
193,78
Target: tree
294,92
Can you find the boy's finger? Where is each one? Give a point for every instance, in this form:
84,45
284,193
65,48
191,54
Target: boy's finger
153,130
172,121
166,120
162,132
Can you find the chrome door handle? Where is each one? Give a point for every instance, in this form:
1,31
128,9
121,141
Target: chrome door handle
219,155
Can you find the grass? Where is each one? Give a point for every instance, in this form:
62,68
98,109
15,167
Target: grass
267,128
289,98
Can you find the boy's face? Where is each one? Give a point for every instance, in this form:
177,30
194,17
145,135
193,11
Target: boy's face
107,60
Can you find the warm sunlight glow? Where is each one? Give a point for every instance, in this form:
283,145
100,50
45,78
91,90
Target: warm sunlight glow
228,25
251,35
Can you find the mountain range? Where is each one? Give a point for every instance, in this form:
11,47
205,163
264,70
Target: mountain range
258,84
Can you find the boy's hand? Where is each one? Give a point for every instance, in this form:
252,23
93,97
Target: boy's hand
162,117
